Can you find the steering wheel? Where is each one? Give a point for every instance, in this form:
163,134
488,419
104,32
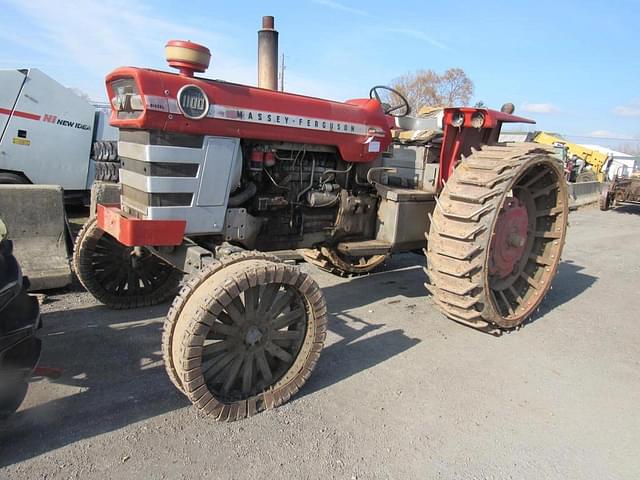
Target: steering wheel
391,101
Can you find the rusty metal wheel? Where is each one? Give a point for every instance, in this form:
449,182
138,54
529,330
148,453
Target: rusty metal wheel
335,262
116,275
185,294
605,200
496,237
248,338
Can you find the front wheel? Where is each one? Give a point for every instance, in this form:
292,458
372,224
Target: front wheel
496,237
248,337
117,275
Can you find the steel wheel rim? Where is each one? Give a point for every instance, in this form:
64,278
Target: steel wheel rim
122,273
358,264
254,341
515,296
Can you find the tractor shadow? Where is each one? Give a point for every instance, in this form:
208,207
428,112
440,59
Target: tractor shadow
628,208
113,375
364,343
569,283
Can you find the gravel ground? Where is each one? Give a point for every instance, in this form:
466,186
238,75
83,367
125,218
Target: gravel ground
399,392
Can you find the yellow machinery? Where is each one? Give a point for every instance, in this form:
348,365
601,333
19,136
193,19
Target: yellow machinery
592,158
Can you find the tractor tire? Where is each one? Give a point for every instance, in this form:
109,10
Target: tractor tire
586,176
8,178
19,321
105,151
11,397
248,338
185,294
107,172
115,276
605,200
332,261
496,236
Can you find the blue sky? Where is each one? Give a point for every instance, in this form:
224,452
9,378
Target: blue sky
573,66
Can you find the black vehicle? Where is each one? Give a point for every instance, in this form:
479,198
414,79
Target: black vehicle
19,321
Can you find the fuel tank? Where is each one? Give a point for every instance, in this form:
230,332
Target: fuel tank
154,100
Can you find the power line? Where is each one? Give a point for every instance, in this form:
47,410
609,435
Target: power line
622,139
282,68
603,138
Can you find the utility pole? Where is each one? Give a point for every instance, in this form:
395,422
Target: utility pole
282,67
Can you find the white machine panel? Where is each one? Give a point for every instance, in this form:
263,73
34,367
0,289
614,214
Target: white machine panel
10,84
48,135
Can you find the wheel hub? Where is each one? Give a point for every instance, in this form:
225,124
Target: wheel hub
253,335
510,238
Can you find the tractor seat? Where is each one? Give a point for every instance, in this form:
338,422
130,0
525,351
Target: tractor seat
421,129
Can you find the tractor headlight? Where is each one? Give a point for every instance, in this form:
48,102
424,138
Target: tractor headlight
126,100
477,120
457,119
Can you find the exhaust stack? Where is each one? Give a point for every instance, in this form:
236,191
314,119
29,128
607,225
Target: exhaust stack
268,54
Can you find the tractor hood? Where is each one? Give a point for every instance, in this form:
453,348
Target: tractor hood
155,100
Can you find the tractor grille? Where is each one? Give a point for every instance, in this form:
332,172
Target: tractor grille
141,173
141,201
160,169
155,137
169,176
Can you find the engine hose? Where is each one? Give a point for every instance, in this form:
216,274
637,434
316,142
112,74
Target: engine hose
310,186
239,198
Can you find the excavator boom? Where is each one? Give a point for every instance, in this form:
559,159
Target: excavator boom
596,159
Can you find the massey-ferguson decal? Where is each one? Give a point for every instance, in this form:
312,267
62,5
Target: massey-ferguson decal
229,112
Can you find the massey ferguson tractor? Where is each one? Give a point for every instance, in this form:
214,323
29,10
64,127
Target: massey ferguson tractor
217,178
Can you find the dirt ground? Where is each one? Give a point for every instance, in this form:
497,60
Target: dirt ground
399,392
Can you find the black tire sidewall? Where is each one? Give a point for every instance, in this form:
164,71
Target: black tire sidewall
8,178
82,251
12,397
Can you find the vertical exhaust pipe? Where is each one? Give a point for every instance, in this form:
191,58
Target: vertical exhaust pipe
268,54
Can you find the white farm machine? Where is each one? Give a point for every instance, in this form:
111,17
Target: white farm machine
53,144
50,135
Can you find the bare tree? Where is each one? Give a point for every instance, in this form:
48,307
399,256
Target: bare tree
428,88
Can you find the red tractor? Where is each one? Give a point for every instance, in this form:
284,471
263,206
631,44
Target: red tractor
218,178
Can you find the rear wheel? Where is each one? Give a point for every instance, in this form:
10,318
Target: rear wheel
496,236
248,338
117,275
333,261
605,200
